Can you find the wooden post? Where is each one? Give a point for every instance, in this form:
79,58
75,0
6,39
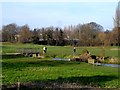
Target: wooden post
91,61
18,85
34,55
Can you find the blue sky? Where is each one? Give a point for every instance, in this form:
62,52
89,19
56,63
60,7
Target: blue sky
43,14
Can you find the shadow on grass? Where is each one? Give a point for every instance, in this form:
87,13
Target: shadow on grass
89,81
83,82
12,56
30,62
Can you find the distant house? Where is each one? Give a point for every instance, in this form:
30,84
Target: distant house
17,36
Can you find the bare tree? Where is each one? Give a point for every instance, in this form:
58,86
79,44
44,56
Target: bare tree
117,16
25,34
8,32
116,29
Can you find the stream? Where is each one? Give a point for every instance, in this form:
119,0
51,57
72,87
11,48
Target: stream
98,64
111,65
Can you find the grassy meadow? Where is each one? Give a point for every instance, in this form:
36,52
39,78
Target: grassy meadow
61,51
47,72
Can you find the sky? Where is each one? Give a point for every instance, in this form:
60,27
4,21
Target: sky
58,14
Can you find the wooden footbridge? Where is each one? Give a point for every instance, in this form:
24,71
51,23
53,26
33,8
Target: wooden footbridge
29,51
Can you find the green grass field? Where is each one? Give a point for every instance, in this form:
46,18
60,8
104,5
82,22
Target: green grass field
60,51
50,72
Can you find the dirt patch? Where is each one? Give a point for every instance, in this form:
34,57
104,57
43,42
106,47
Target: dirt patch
115,49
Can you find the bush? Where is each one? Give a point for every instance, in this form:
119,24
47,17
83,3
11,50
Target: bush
84,51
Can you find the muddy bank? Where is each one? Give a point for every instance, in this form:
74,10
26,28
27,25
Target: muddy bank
55,85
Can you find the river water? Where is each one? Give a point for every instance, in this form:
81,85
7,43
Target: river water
110,65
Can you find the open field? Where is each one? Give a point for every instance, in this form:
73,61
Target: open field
61,51
49,73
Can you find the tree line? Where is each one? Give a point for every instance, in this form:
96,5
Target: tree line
88,34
